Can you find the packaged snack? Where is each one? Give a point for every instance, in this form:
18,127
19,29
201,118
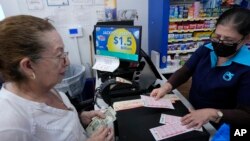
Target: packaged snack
181,8
171,12
200,26
180,27
181,36
172,26
189,35
192,26
191,12
176,36
176,11
170,47
170,36
183,46
186,26
185,35
177,47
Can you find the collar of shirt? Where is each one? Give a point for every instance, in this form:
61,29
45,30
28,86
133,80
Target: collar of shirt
36,105
242,56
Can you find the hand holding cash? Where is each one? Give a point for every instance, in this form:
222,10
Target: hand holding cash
86,116
97,122
102,134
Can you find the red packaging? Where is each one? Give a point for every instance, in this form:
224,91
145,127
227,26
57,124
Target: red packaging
192,26
200,26
186,27
180,27
172,27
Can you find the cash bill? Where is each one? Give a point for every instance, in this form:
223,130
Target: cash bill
96,123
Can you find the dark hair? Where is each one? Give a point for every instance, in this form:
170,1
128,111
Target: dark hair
20,36
239,18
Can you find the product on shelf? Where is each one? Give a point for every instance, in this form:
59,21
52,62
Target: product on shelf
202,35
186,22
190,26
184,58
197,6
194,11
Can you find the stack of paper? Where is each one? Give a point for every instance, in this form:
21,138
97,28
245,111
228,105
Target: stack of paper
171,128
129,104
161,103
106,63
165,102
171,97
169,119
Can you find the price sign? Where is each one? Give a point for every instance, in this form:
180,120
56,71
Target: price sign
121,40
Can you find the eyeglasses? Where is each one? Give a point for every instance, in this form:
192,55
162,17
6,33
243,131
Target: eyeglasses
63,56
216,38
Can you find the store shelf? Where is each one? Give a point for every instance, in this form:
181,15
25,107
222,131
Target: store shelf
181,51
160,19
190,30
196,19
187,39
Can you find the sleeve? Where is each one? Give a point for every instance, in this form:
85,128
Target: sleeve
179,77
195,58
185,72
239,116
14,135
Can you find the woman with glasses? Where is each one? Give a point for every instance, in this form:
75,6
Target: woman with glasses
32,62
220,74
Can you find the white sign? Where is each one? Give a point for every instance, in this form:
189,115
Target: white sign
35,4
57,2
83,2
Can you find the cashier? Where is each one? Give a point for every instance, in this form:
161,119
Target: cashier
220,72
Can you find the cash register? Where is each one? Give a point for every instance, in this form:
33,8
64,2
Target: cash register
124,43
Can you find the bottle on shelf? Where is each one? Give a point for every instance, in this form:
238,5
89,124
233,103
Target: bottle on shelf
169,61
176,61
185,12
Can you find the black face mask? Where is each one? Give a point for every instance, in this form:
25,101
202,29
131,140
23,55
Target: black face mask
224,50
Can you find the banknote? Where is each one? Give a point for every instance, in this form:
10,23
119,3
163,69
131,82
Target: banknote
96,123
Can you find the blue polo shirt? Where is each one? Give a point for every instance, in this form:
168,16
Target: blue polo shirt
223,86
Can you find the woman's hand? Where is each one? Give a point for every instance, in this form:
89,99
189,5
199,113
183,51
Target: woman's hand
197,118
160,92
86,116
102,134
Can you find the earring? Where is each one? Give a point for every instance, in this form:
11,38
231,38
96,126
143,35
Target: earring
33,76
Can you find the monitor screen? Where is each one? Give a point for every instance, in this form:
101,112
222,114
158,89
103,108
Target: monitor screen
123,42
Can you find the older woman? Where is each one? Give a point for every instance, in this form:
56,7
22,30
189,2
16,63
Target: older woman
32,62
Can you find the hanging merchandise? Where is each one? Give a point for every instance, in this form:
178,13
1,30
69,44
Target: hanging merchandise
127,14
110,9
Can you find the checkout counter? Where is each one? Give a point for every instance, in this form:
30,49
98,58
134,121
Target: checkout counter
124,42
134,124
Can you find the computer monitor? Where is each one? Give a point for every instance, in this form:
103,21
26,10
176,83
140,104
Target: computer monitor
123,42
